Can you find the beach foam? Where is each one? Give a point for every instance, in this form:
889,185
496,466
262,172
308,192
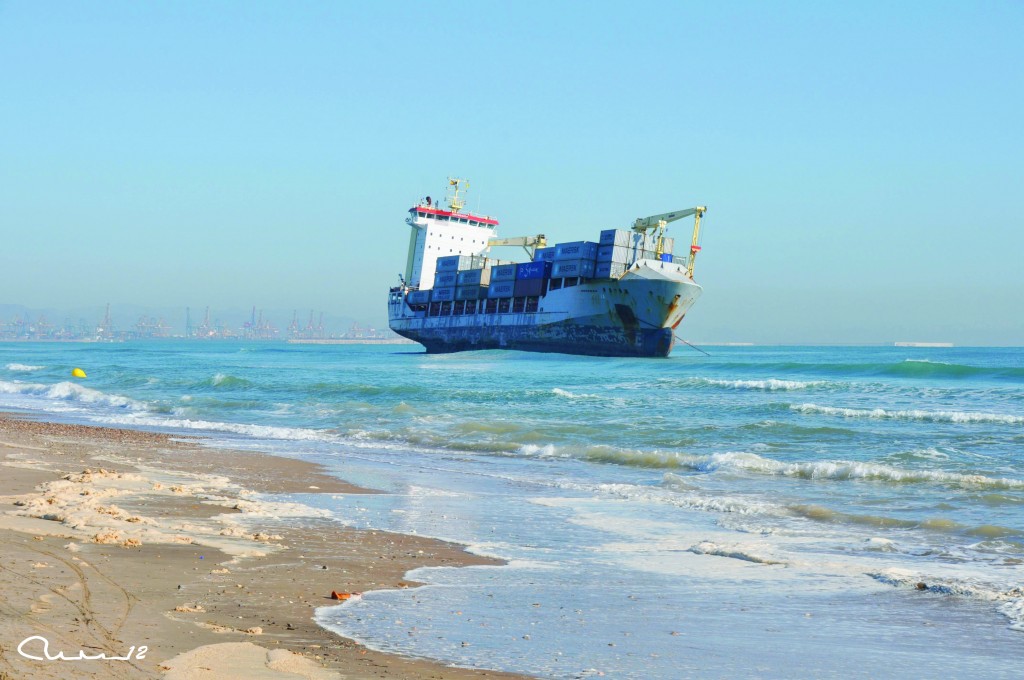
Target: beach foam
1011,599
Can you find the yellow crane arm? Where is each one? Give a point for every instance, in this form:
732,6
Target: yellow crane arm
644,223
528,243
659,222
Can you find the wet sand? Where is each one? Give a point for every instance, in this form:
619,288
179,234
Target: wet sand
113,539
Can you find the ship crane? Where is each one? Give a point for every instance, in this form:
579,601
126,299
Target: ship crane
527,243
659,222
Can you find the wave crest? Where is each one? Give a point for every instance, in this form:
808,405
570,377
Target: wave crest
912,414
768,385
71,392
23,368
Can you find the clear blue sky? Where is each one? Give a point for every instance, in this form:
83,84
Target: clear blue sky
862,162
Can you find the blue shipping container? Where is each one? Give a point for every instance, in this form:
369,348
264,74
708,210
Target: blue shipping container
533,270
577,250
418,297
569,268
544,254
471,293
505,272
501,289
529,287
444,279
666,257
616,237
445,294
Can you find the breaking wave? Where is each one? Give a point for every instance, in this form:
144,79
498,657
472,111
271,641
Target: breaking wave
909,368
248,430
558,391
769,385
224,380
912,414
753,463
71,392
23,368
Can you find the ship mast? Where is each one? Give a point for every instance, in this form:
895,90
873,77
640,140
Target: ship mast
455,185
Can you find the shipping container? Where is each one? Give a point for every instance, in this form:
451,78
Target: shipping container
668,245
454,263
474,277
584,268
524,287
470,292
501,289
506,272
446,294
616,237
544,254
418,297
609,270
445,279
620,254
533,270
666,257
577,250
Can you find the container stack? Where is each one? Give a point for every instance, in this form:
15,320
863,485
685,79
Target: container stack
503,281
618,249
476,277
530,278
574,259
472,283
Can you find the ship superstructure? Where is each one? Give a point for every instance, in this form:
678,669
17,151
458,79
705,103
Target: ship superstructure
622,295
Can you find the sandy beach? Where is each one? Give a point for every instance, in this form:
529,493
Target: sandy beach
114,540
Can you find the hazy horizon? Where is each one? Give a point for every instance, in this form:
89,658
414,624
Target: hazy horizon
859,163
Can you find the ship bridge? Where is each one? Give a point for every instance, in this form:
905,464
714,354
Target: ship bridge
437,232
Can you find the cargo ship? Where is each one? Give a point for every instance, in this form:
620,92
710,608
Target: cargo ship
622,295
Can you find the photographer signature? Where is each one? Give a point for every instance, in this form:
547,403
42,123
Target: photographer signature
138,654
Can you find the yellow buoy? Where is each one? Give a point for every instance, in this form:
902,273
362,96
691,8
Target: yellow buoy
78,373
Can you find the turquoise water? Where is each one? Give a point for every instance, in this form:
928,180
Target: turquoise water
763,511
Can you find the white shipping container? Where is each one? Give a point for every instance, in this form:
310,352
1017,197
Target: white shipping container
621,254
609,270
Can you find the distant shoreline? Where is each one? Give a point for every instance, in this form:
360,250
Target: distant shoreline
340,341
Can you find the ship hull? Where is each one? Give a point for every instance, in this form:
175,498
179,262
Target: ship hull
577,336
634,316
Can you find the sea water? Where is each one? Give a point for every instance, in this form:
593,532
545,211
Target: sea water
768,511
